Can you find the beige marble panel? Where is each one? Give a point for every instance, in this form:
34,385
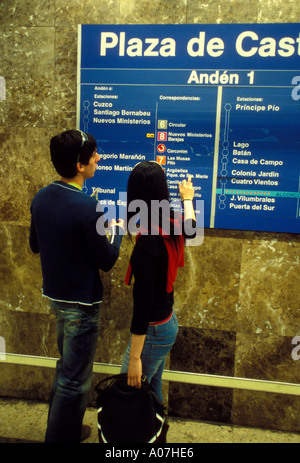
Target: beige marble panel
206,352
153,12
207,288
25,167
222,12
65,71
27,64
270,279
27,52
278,11
27,12
33,334
21,279
26,382
266,410
64,112
244,12
29,333
73,12
268,358
27,104
65,54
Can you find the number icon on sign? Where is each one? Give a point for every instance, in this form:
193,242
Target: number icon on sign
161,160
162,136
162,124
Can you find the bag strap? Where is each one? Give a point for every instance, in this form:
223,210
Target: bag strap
115,377
105,380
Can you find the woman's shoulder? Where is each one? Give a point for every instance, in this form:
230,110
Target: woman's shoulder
149,250
148,239
151,244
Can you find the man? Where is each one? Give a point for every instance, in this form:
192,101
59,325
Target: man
63,231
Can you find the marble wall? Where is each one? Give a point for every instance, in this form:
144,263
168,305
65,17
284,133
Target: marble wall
237,299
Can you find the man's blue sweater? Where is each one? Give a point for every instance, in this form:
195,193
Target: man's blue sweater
63,231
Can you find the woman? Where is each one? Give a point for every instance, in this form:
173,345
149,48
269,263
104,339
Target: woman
157,254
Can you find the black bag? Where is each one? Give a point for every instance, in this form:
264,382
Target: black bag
129,415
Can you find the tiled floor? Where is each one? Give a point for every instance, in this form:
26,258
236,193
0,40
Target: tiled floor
25,421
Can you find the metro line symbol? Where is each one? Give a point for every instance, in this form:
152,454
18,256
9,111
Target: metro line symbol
161,148
161,160
162,136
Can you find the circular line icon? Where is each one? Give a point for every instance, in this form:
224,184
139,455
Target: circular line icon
161,148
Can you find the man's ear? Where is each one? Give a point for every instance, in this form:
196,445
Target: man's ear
79,167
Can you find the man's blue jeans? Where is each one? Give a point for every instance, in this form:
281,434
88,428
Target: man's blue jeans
77,334
158,343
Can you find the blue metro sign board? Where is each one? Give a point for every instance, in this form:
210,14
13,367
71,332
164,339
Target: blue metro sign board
218,102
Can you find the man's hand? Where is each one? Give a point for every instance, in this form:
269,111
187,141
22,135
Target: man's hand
119,223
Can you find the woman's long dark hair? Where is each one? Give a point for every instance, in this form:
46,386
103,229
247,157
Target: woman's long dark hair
148,183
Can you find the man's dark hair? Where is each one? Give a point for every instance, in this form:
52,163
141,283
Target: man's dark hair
69,148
